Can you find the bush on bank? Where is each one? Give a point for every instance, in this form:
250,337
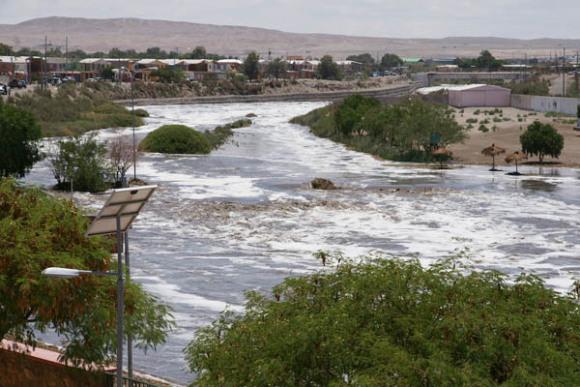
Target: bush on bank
406,131
391,322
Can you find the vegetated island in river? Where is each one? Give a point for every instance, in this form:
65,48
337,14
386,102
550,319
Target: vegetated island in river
181,139
406,131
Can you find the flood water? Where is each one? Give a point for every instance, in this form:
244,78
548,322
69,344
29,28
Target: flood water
244,217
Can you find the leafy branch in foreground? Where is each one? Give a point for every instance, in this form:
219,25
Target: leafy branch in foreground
393,322
38,231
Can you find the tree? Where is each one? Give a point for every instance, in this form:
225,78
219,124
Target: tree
6,49
20,133
367,61
169,75
391,322
121,155
389,61
107,73
351,111
542,140
277,68
251,66
487,61
328,69
199,53
81,162
38,231
155,52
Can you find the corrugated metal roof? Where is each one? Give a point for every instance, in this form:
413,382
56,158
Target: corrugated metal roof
434,89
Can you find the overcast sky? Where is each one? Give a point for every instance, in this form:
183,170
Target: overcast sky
384,18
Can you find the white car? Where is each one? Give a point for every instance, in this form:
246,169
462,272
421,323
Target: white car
4,89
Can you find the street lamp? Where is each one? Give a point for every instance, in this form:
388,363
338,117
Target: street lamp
116,216
61,272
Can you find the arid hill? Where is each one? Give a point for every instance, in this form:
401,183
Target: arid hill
104,34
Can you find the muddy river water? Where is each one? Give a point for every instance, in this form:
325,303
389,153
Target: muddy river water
244,217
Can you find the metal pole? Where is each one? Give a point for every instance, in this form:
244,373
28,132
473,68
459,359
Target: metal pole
129,338
133,122
120,302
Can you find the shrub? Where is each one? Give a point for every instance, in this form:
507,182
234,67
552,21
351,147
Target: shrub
471,120
482,128
542,140
19,132
390,322
175,139
141,113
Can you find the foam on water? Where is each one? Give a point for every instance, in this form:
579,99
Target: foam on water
244,217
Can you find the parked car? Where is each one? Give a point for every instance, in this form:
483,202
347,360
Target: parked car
17,84
4,89
69,79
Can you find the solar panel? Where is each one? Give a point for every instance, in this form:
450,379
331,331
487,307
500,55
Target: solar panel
126,203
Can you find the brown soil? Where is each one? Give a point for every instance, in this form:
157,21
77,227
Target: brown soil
507,135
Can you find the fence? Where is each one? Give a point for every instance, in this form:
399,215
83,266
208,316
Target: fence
546,104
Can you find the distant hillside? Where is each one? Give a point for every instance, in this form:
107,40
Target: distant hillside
104,34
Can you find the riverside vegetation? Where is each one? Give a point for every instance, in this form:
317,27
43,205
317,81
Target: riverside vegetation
181,139
391,322
73,110
406,131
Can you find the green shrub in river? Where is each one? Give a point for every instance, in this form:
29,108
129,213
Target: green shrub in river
175,139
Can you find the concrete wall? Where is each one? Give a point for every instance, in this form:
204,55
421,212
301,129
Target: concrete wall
385,94
427,79
18,370
546,104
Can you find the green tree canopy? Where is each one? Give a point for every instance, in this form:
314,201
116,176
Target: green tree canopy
199,52
19,134
169,75
251,66
6,49
542,140
351,111
81,161
38,231
487,61
328,69
389,61
277,68
390,322
175,139
366,59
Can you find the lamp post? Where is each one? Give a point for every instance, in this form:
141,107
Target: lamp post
116,216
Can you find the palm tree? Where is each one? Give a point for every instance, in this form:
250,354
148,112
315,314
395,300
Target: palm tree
515,157
492,151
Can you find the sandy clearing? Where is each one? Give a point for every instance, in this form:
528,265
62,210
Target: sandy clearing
507,135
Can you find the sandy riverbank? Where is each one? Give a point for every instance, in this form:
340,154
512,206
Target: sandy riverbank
507,135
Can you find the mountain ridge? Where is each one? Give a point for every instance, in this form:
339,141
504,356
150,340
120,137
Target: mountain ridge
92,34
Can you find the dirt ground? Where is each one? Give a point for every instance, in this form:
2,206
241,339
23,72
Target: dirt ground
509,124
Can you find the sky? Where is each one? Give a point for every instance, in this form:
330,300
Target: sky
381,18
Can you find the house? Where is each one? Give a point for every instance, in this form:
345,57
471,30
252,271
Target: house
231,65
202,69
350,67
143,68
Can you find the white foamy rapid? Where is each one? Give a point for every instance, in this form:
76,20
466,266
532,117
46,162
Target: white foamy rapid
244,217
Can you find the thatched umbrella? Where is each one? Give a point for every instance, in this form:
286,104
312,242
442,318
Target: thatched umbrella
442,154
492,151
515,157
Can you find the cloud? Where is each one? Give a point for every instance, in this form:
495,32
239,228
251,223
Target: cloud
393,18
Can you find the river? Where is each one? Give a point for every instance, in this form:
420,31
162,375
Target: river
244,217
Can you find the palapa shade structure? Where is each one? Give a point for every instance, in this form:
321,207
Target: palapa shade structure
442,154
492,151
516,157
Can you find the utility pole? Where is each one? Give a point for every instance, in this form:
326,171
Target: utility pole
564,74
66,53
44,64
